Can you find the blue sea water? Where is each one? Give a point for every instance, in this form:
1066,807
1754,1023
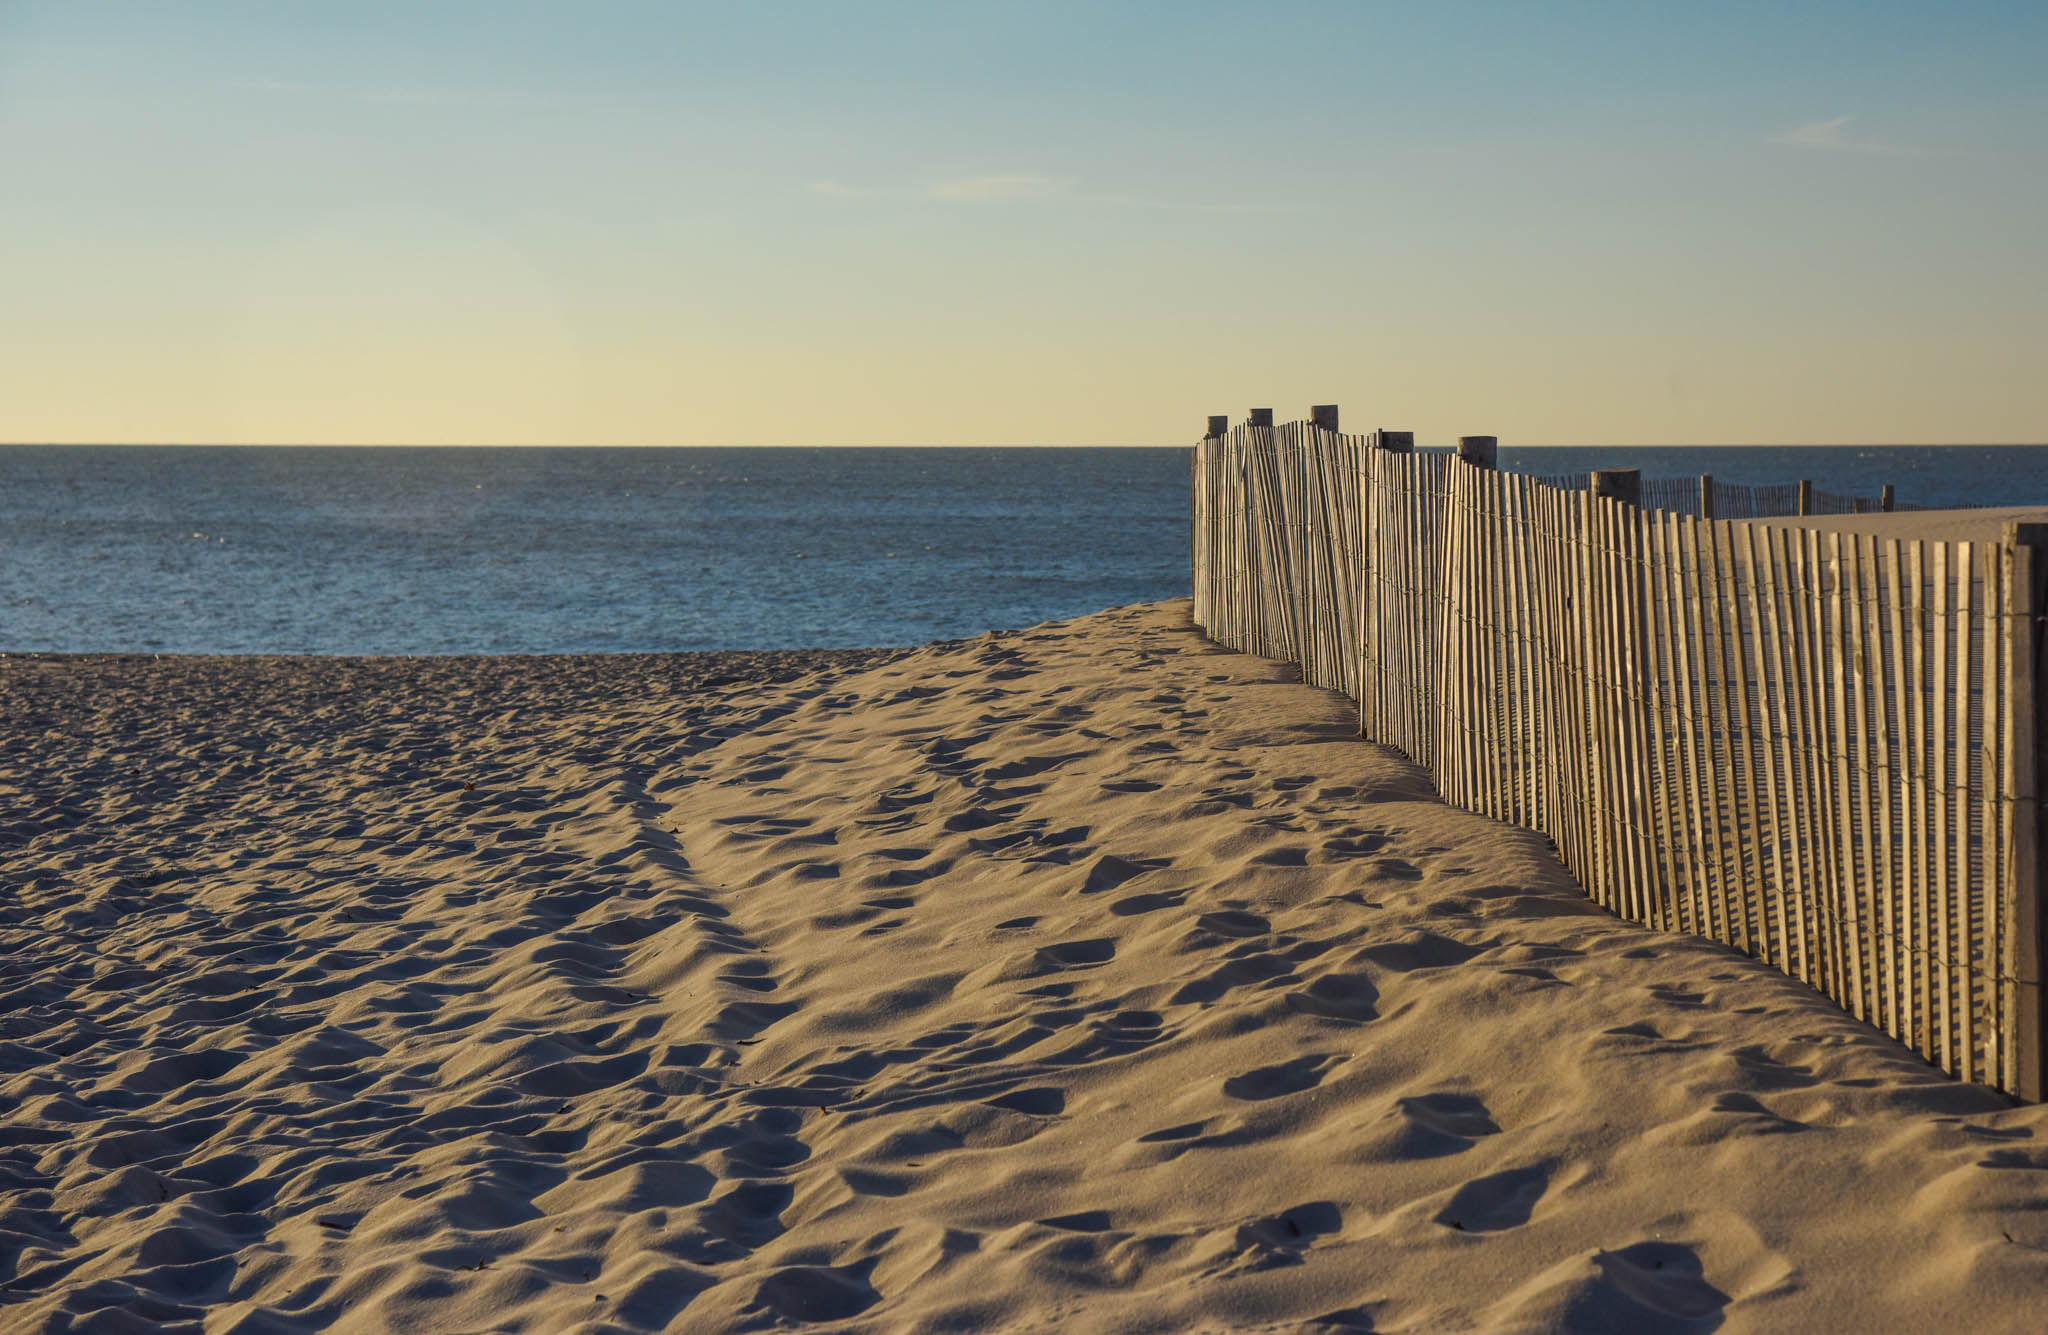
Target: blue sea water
1933,476
252,549
247,549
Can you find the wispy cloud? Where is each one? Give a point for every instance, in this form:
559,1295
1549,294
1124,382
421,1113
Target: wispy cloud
999,188
1832,135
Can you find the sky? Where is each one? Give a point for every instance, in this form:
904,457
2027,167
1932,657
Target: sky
779,223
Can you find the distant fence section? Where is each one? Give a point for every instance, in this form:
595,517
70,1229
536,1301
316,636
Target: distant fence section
1820,748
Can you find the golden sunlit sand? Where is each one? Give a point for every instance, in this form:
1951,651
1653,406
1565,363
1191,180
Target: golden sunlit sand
1083,978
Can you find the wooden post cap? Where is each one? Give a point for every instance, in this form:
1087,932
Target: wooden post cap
1479,451
1324,415
1619,484
1394,442
1261,417
1219,426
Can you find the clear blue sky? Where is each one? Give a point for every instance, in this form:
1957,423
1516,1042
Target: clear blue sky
1088,223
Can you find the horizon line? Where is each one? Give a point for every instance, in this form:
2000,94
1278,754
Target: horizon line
977,445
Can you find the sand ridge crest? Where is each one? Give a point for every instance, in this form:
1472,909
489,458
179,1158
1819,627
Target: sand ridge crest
1086,977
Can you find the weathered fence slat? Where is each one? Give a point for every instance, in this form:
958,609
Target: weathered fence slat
1684,605
1920,627
2026,758
1964,933
1527,650
1823,749
1887,616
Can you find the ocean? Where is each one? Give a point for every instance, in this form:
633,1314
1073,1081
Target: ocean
400,550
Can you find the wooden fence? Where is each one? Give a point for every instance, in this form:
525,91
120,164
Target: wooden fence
1817,747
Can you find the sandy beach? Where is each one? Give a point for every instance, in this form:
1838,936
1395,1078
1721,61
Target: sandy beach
1082,978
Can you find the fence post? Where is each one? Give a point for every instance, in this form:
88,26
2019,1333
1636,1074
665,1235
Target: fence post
1706,495
1260,417
1805,496
1479,451
1198,519
1324,415
2026,597
1372,717
1619,484
1885,499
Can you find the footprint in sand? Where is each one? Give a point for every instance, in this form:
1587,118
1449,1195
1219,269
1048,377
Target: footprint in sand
1424,950
1111,1036
1167,1135
1132,905
817,1292
899,877
1537,972
1299,1225
1754,1117
1272,1082
1043,1101
1348,847
1242,967
1071,842
1026,766
1768,1072
1075,954
1234,922
1650,1285
979,818
869,1182
1349,997
996,843
752,974
2033,1161
1499,1201
1443,1123
1268,1243
1110,871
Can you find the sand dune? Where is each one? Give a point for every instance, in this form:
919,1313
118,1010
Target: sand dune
1081,978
